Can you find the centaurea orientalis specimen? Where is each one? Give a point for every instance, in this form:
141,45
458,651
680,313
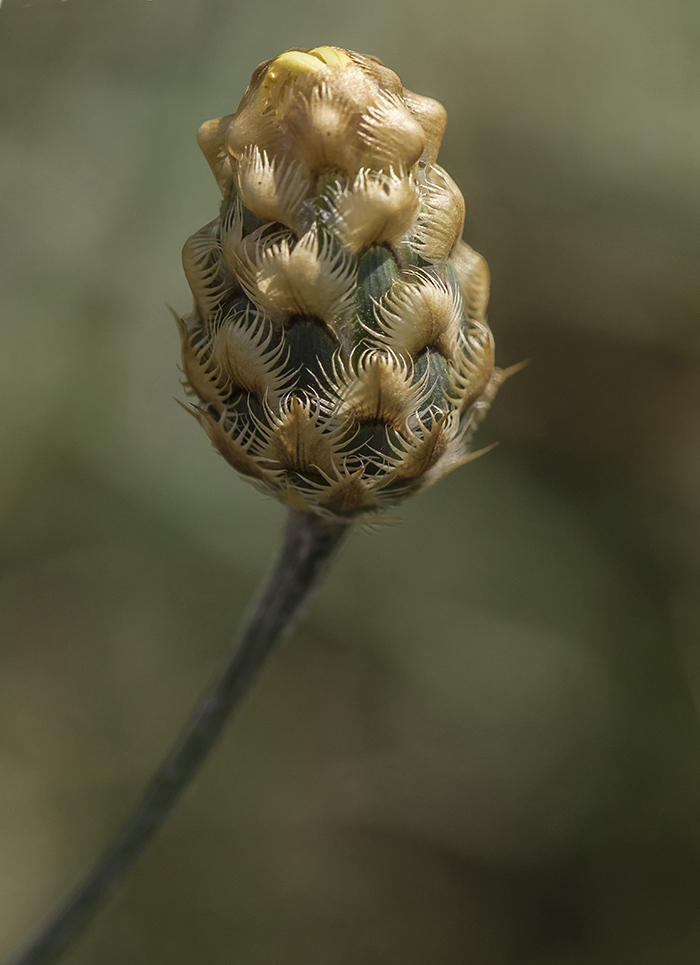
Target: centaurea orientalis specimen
338,345
338,352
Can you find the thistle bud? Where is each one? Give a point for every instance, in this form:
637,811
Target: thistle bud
338,345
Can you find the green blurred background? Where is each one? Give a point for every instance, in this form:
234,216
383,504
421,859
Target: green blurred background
482,745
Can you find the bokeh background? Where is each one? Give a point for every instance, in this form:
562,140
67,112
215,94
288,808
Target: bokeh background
482,745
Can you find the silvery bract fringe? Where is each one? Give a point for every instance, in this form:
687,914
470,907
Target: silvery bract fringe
338,344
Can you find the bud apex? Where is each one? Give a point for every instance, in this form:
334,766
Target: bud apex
338,344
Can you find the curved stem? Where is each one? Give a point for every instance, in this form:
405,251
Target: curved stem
308,545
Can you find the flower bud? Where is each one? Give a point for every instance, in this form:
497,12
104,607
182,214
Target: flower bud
338,344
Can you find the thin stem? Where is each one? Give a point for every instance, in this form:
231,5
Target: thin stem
308,545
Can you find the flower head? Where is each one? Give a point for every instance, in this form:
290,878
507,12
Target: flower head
338,344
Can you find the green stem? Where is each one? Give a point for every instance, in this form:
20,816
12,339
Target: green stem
308,545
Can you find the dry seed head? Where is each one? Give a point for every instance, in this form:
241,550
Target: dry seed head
338,344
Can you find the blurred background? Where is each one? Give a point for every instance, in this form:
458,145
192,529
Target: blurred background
482,744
